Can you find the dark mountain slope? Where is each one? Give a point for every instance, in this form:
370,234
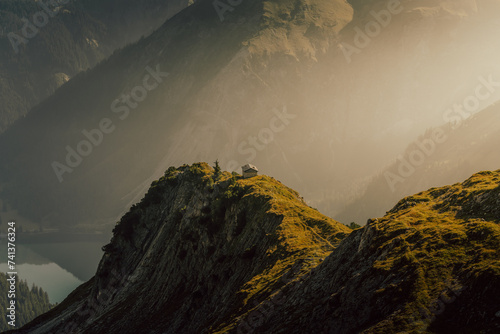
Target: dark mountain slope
246,256
431,265
208,252
75,36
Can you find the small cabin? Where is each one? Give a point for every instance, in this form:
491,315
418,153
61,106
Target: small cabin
249,171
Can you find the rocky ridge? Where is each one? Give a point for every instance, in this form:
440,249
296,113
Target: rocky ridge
210,252
195,254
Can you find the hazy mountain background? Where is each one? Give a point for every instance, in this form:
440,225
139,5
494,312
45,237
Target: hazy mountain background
75,37
468,145
272,75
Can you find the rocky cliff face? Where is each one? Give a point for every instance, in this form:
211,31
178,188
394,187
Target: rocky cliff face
207,253
431,265
196,254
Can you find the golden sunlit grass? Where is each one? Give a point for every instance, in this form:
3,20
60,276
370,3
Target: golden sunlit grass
304,236
430,235
430,239
303,232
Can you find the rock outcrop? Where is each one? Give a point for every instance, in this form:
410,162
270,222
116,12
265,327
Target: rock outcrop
196,254
431,265
210,252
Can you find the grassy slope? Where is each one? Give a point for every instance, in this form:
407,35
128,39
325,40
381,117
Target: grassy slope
430,265
303,231
431,247
450,237
297,236
303,238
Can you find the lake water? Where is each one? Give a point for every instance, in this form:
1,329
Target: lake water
58,268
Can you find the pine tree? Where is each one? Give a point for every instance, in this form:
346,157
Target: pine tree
217,169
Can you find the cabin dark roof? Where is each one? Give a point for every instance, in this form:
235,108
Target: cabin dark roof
249,167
